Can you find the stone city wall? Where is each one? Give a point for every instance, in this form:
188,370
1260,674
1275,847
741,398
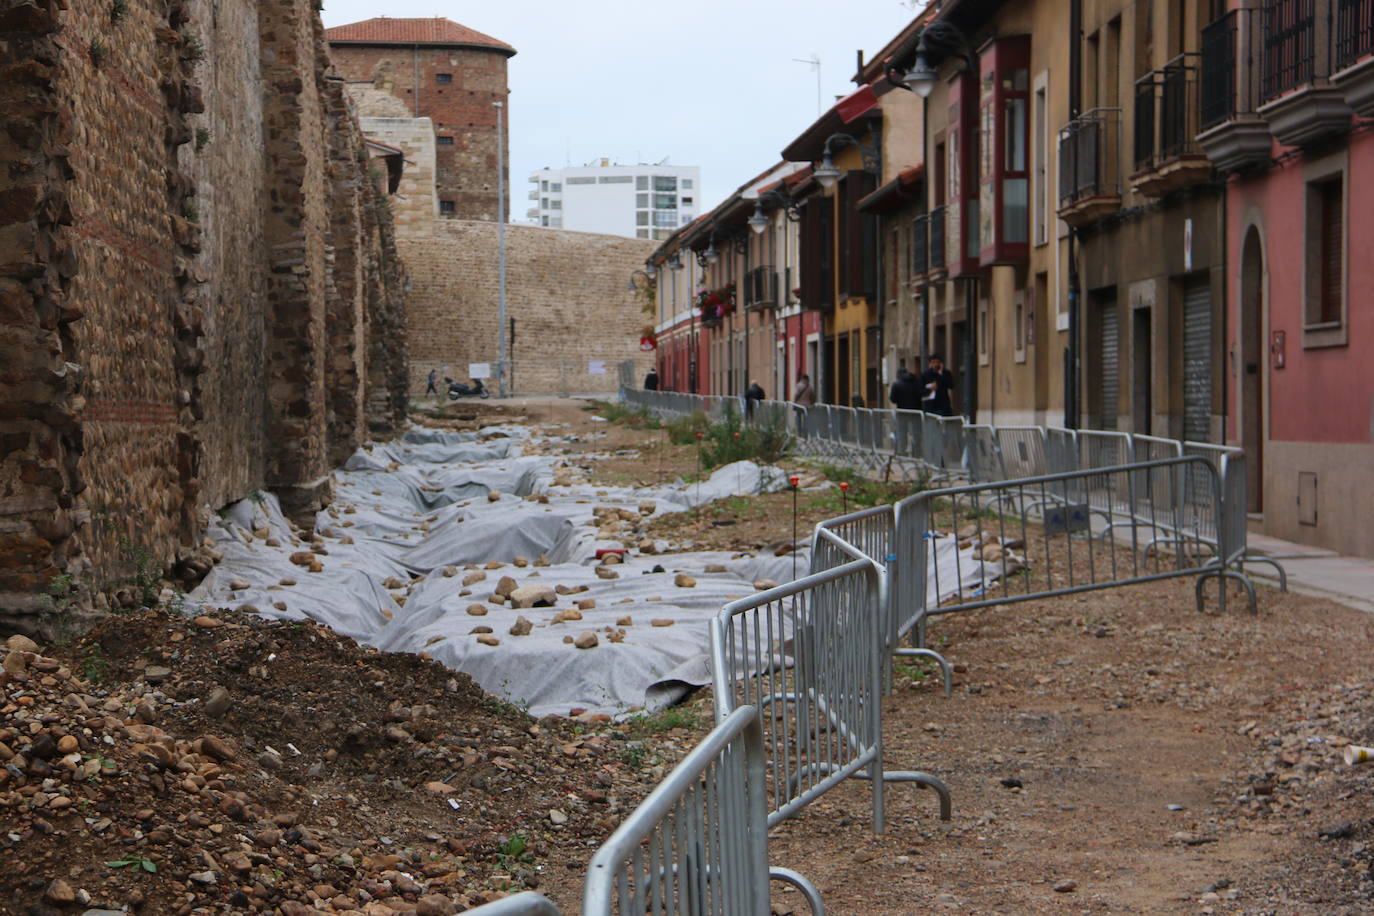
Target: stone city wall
199,289
566,291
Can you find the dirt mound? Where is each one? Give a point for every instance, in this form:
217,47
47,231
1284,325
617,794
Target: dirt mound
237,764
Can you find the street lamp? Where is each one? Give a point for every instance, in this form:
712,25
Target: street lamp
921,78
675,262
759,222
939,36
633,286
827,174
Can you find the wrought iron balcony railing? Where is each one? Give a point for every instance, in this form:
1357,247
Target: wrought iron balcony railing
1089,156
1354,31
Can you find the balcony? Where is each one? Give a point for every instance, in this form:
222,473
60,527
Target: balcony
761,287
532,213
1233,134
1168,158
1301,107
533,195
1089,167
1353,54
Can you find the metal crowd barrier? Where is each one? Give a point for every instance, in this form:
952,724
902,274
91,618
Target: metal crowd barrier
871,534
808,655
527,903
1021,536
698,843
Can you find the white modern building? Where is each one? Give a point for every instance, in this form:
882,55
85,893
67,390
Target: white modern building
640,201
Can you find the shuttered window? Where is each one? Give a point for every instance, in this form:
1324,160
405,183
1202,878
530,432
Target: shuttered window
1332,235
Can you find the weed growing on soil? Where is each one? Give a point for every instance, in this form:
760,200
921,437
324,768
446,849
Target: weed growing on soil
93,663
765,440
683,430
646,724
862,491
515,850
636,756
138,862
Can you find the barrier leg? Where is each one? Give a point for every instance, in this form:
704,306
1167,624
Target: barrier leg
801,883
1221,576
1283,573
921,779
946,672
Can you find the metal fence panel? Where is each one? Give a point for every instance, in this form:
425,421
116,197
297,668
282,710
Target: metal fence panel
696,844
525,904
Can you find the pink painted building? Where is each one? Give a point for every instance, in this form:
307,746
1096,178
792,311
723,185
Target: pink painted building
1287,118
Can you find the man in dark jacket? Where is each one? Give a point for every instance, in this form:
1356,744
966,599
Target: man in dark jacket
938,382
906,391
651,380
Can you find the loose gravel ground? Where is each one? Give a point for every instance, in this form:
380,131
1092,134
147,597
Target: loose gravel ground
1113,752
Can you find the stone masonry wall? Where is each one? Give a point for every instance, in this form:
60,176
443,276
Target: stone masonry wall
566,291
199,289
461,111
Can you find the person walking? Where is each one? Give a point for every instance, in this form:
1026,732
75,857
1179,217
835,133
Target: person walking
906,391
432,383
651,380
804,395
938,382
752,396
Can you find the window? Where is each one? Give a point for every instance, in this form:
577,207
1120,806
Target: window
641,233
443,79
665,201
642,183
556,187
686,184
665,218
686,201
543,220
615,179
641,200
445,206
544,203
1020,331
556,222
662,183
543,185
555,205
1325,257
642,218
1042,228
587,180
445,141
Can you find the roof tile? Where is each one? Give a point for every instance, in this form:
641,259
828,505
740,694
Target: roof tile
436,31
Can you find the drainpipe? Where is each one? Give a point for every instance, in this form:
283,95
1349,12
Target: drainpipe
1072,356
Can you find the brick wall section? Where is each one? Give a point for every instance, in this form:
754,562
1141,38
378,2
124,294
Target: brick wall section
566,291
466,169
168,257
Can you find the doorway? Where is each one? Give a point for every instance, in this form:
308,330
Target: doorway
841,373
1252,357
1142,372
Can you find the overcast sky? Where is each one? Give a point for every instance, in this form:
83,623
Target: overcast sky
710,83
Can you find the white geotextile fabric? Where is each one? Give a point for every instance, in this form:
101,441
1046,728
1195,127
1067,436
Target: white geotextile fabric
418,506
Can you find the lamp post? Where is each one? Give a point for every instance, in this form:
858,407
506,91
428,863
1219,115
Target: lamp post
500,249
759,222
938,37
827,175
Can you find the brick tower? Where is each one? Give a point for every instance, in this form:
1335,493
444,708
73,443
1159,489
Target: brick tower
450,74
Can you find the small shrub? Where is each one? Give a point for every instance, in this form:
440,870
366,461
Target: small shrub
683,430
98,52
118,10
194,49
202,138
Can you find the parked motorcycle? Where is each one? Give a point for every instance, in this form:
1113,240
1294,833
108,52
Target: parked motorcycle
458,390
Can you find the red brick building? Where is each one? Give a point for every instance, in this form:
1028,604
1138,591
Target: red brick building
450,74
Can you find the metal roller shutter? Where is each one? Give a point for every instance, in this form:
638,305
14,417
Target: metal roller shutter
1110,350
1197,361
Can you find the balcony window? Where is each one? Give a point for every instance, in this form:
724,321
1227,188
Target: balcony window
1354,31
665,183
1290,40
665,201
1003,163
1089,178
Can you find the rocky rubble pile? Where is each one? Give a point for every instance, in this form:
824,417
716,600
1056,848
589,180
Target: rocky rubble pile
236,764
